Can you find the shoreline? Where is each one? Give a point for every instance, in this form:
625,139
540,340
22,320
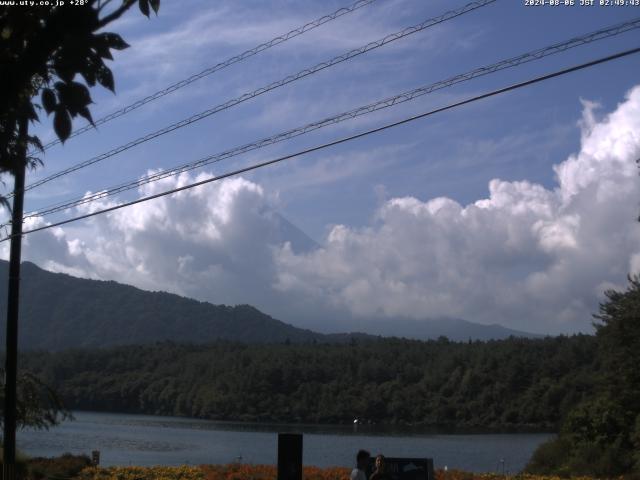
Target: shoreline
150,440
311,428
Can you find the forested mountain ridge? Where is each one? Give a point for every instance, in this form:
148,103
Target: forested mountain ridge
58,311
515,383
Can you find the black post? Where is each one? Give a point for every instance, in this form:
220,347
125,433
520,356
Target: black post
289,456
11,361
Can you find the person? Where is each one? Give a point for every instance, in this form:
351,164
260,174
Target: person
362,459
380,472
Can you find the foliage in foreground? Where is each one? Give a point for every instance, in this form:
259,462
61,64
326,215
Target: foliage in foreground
461,475
601,435
267,472
270,472
65,466
142,473
37,404
77,467
43,49
208,472
21,462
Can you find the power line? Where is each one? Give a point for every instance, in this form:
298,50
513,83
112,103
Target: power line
272,86
219,66
360,111
340,141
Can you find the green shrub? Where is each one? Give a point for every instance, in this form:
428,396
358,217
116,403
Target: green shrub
21,463
561,456
549,458
65,466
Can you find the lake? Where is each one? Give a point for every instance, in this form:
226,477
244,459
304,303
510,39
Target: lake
152,440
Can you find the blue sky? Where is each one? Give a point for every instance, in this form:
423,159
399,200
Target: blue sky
350,190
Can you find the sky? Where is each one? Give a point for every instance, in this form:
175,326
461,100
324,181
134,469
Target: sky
520,209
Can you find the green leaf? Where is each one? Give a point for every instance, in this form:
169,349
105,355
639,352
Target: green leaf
144,7
90,68
29,111
34,162
63,69
79,96
35,142
84,112
115,41
104,51
155,4
62,123
73,96
89,76
105,78
48,100
101,45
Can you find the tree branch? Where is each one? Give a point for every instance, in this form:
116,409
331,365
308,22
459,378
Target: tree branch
126,5
103,4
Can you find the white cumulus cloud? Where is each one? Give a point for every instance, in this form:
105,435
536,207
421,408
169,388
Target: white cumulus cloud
211,242
526,256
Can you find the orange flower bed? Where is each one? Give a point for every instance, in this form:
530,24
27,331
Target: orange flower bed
269,472
460,475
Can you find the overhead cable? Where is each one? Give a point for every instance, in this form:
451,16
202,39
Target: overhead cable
337,142
354,113
272,86
219,66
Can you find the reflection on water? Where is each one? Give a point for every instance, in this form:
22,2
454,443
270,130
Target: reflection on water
151,440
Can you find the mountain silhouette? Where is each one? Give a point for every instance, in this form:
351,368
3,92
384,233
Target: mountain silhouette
59,311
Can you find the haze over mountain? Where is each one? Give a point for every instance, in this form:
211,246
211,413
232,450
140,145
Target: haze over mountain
452,328
59,311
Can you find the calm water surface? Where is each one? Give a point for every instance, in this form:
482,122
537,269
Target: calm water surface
151,440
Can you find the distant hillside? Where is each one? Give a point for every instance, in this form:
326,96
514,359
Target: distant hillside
452,328
59,311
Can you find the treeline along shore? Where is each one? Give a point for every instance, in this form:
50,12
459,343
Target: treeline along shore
525,384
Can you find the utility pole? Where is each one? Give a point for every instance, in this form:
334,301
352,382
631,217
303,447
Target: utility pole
11,361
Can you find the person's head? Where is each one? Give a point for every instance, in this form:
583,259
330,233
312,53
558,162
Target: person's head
380,462
362,459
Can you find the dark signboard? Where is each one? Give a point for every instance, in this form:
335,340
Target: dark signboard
405,468
289,456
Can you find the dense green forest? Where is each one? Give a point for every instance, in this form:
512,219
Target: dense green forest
600,436
519,383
